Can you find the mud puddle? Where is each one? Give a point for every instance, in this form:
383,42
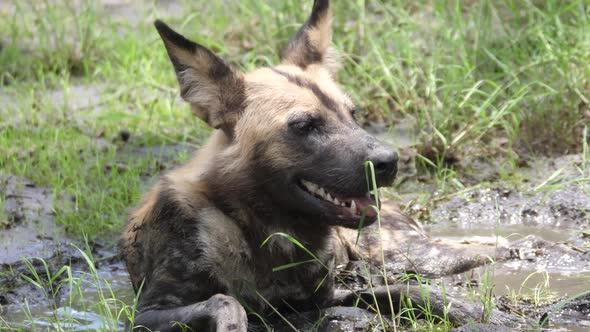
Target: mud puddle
76,312
32,247
87,301
539,229
26,227
500,234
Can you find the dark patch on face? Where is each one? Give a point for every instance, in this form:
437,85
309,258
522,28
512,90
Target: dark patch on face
328,102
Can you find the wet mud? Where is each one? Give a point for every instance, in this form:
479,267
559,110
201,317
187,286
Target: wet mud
33,247
539,230
27,229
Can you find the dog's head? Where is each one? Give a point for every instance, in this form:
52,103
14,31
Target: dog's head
291,124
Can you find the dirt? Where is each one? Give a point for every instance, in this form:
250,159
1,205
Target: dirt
572,312
327,320
165,154
557,210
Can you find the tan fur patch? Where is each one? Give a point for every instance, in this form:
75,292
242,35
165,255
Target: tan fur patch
320,36
225,250
185,179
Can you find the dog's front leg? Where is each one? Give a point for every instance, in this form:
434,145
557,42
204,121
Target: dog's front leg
423,298
219,313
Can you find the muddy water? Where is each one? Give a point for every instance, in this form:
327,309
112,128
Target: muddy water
28,232
25,305
546,258
501,233
80,315
541,219
28,211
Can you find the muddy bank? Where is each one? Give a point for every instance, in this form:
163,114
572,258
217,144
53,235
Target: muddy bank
33,252
550,214
27,229
540,227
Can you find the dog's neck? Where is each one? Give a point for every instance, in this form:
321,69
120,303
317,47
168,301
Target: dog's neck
258,214
234,189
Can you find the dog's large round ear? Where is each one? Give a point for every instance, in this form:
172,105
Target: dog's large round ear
215,90
311,44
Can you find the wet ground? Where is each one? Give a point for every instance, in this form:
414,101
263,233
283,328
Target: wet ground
32,252
541,227
33,247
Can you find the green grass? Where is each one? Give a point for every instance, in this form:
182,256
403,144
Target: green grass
503,80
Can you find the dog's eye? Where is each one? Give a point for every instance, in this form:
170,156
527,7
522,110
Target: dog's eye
304,127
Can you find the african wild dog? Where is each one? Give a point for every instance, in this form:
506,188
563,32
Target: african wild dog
286,156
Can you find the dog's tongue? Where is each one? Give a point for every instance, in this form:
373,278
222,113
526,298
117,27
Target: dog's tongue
364,203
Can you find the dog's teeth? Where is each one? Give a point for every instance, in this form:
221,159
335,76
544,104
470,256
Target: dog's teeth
353,207
311,186
321,192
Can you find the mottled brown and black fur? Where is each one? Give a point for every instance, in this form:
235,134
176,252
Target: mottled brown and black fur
193,246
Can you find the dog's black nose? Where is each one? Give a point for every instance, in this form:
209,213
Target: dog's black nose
385,164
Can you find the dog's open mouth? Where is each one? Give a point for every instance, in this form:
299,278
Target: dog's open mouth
346,208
